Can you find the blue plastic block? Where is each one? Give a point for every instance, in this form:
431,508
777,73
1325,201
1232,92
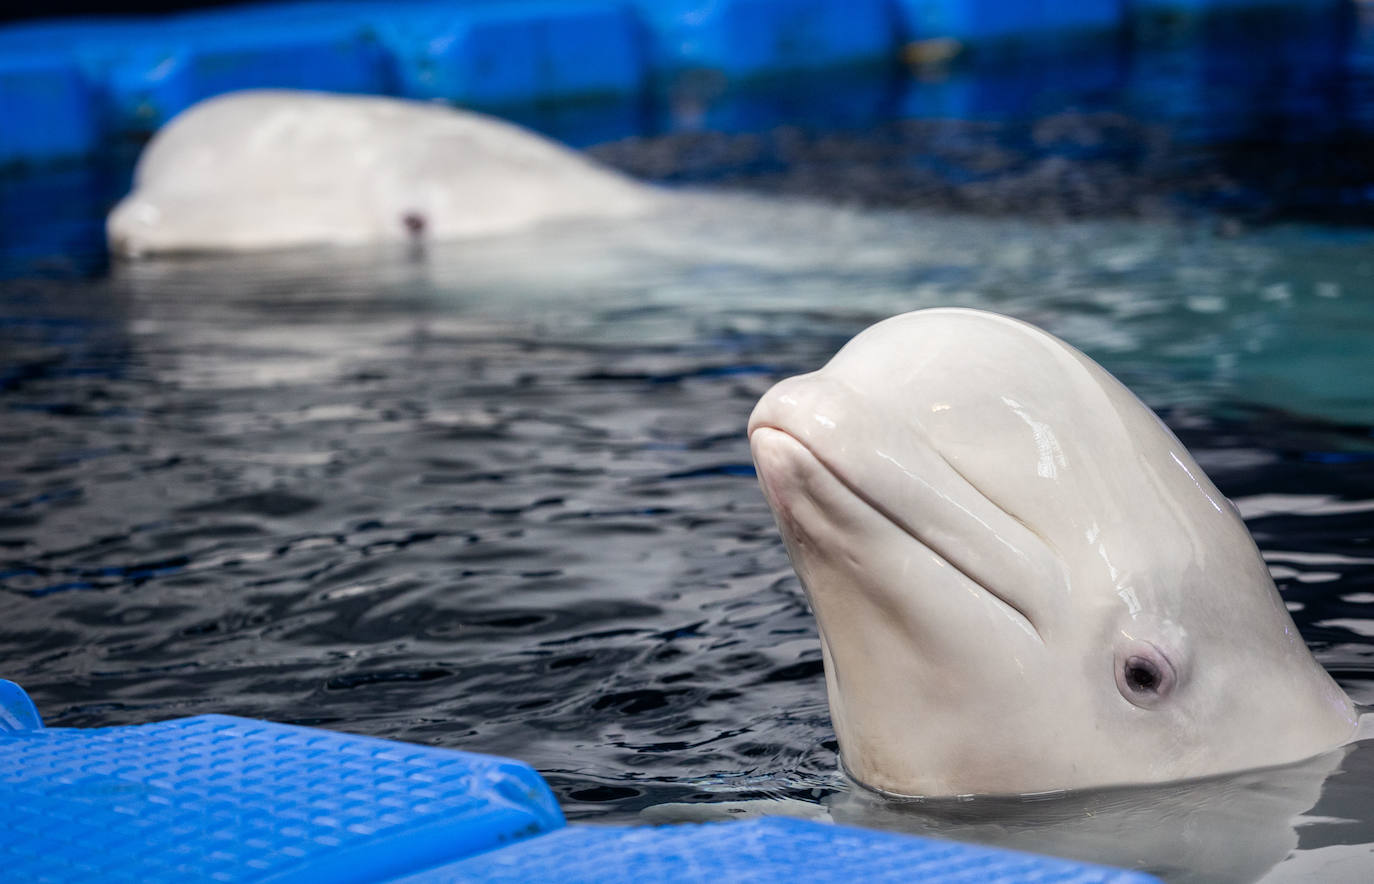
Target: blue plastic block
47,110
194,61
1215,5
52,217
816,100
74,36
975,21
762,850
750,37
144,70
1083,15
94,46
581,124
501,54
1027,91
968,21
17,712
215,798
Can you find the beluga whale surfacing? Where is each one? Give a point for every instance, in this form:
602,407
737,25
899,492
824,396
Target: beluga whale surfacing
1022,580
270,169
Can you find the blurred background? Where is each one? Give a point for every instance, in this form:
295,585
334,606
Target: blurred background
1242,110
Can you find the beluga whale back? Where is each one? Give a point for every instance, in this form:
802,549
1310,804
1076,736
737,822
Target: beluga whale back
1023,582
275,169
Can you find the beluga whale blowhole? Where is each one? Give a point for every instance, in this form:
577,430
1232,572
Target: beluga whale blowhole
1022,580
271,169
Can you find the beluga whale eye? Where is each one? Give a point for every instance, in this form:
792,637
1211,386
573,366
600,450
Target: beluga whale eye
1144,674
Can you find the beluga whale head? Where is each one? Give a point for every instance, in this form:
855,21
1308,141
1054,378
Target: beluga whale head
1022,580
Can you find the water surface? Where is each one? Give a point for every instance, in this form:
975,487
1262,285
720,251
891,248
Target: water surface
497,496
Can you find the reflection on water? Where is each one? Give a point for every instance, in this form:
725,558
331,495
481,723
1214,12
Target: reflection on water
499,497
1305,822
1225,829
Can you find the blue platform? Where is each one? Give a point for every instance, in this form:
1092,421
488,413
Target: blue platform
217,798
760,851
68,87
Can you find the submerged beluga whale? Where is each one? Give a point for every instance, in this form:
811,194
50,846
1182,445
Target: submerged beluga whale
1022,580
277,168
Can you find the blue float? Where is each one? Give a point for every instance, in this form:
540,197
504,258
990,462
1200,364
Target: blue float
47,109
760,851
67,87
218,798
1213,86
1069,77
493,55
982,21
151,83
752,37
1211,6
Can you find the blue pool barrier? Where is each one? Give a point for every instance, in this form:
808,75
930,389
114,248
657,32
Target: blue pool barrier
979,21
67,87
47,109
218,798
17,712
751,37
487,55
148,85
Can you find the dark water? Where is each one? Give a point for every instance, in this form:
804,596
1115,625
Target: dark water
499,497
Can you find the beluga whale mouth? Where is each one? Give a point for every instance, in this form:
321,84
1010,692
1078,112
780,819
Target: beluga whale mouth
1022,580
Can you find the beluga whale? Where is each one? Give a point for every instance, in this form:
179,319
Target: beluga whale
270,169
1022,581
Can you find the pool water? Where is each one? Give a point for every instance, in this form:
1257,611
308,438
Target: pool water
498,496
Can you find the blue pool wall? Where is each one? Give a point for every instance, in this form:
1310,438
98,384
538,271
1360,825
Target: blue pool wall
68,88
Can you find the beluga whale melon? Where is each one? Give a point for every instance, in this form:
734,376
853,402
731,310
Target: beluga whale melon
277,168
1022,580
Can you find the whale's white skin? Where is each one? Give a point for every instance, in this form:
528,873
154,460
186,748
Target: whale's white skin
275,169
1022,580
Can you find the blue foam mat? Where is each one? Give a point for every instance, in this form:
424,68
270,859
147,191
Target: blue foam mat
761,850
17,712
219,798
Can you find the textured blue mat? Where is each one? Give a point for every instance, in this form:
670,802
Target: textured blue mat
764,851
217,798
